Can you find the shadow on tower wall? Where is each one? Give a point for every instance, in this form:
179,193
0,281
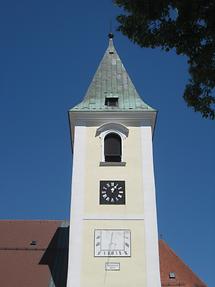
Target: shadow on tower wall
56,257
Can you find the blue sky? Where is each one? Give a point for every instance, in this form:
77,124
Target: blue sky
49,51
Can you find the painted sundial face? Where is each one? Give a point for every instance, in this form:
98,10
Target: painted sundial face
112,192
112,243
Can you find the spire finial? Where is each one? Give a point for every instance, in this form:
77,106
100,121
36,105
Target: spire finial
110,35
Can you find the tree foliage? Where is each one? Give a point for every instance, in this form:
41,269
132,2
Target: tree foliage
188,26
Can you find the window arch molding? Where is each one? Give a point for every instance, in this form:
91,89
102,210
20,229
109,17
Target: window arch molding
112,128
115,127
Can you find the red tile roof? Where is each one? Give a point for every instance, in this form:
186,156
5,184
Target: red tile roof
19,260
171,263
25,265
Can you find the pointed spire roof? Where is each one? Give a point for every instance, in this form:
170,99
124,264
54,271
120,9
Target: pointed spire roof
111,82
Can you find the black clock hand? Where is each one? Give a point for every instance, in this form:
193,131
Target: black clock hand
111,241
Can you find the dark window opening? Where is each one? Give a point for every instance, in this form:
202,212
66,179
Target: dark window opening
112,148
111,102
172,275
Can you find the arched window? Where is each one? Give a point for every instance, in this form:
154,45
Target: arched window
112,148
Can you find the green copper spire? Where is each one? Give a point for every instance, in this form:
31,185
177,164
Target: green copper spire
111,88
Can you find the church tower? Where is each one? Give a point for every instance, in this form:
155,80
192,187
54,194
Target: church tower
113,226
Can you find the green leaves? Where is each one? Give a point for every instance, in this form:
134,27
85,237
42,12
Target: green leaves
186,26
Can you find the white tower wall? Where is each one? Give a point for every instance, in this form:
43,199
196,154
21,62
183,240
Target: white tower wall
138,214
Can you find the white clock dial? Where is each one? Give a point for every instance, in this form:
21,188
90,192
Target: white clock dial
112,242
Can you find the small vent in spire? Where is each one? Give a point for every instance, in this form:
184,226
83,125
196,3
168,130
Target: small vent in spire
111,102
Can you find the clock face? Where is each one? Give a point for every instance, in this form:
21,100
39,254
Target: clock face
112,192
112,243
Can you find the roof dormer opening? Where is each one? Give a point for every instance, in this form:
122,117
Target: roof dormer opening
172,275
111,102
